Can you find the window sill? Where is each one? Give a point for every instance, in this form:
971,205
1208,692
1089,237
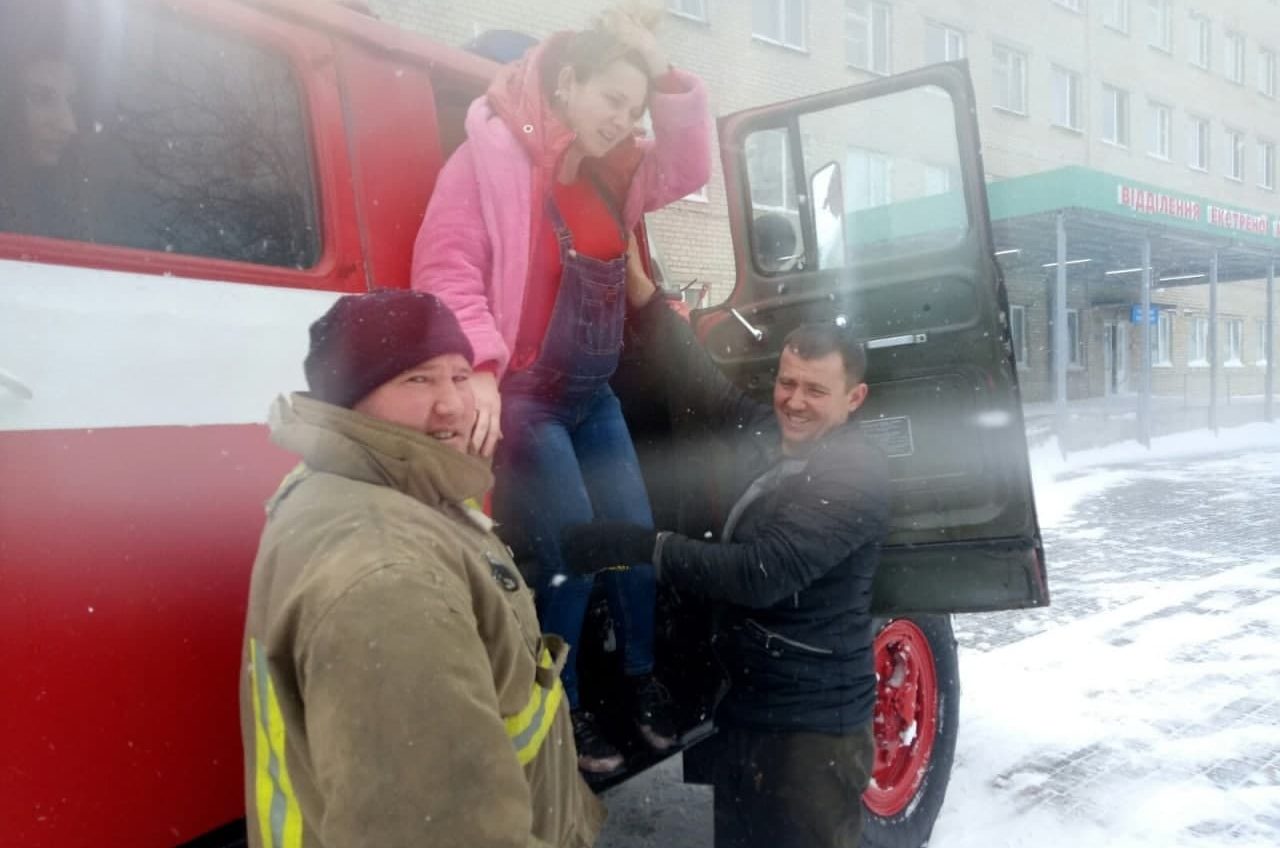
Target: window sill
1119,145
1199,363
1076,369
685,16
764,39
1162,365
1014,113
1116,29
1208,69
1266,187
695,198
1064,7
1067,129
1231,179
852,67
1160,48
1158,157
1234,363
1197,168
1235,81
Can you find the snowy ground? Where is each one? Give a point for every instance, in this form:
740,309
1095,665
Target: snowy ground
1142,709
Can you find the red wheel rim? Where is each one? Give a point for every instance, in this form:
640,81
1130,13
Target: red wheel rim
906,717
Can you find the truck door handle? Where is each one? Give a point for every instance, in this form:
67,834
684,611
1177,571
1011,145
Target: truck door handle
756,332
897,341
15,386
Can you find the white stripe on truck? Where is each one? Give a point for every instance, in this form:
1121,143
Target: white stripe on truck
82,347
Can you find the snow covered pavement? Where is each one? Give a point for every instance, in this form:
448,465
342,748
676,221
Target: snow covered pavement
1142,709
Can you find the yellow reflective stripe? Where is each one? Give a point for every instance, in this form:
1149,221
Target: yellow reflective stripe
262,753
279,818
528,728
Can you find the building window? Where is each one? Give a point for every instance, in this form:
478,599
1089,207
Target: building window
942,44
1075,343
1267,165
1009,79
1260,346
1198,144
1235,342
1066,98
1201,41
1018,329
868,179
1198,343
1073,5
1160,130
867,35
1115,115
1235,155
1233,58
696,9
769,170
779,21
1115,14
1267,72
938,179
1160,24
1162,339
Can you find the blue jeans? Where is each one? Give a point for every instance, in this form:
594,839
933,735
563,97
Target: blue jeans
567,460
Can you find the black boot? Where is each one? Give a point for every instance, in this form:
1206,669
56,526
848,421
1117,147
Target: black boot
595,754
653,712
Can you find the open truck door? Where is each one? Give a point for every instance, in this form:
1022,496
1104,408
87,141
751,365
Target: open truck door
883,190
867,207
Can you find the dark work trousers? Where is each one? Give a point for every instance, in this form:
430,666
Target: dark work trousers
790,790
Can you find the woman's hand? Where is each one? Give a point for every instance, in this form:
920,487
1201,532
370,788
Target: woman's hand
488,427
640,289
634,33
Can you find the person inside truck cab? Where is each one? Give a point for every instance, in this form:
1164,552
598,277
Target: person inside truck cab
525,239
791,572
396,689
40,179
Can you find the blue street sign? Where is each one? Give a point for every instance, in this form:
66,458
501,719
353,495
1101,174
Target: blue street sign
1135,314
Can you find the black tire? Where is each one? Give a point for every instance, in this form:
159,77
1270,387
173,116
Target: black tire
912,827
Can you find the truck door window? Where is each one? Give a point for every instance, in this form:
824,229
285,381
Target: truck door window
869,191
195,142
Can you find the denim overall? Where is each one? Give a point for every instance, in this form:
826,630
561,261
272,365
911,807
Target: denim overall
566,457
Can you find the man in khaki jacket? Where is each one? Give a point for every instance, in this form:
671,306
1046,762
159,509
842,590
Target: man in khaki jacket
396,690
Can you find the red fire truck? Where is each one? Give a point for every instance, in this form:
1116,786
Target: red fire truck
209,176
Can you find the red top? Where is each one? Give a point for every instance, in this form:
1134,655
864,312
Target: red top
596,233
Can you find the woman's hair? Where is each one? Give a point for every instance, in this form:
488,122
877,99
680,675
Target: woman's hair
593,49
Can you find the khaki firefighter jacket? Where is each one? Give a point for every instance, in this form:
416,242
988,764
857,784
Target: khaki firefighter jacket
396,690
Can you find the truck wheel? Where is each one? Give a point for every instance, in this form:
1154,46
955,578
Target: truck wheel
916,722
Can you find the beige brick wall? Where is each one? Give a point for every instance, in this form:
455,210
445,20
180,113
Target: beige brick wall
743,71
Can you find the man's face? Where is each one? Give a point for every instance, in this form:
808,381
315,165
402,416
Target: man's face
48,92
433,398
811,399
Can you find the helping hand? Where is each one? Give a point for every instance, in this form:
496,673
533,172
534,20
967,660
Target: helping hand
487,429
589,548
640,288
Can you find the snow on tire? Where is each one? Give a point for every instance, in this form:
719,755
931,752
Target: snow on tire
916,723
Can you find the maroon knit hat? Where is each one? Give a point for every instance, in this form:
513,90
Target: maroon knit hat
366,339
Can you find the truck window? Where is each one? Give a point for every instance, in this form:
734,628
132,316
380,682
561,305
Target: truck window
869,195
194,142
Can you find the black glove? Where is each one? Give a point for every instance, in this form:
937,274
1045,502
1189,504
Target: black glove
588,548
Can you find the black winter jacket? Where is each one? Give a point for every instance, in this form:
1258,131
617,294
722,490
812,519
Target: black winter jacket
795,578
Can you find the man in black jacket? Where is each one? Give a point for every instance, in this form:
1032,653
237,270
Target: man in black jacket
792,570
